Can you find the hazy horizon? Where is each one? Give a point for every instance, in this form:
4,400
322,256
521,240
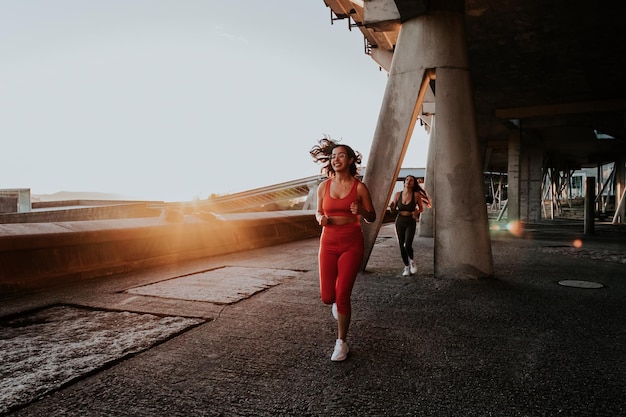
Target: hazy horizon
175,101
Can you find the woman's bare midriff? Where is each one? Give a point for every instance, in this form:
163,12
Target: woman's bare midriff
341,220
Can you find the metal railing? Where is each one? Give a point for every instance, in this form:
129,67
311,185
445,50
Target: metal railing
258,198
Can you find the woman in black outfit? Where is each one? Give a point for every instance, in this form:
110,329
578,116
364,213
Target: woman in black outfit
408,206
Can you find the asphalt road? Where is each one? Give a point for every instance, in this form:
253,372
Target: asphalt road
520,344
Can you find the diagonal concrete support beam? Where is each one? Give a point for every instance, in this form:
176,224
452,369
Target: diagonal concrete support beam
435,41
404,95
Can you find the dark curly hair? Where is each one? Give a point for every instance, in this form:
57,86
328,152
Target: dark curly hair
417,187
323,150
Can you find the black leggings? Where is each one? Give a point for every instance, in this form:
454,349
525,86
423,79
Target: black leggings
405,232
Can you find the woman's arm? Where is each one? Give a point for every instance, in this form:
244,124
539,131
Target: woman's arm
392,205
364,207
321,218
425,197
419,206
418,198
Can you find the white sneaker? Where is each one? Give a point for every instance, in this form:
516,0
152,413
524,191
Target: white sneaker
341,351
406,272
412,266
334,310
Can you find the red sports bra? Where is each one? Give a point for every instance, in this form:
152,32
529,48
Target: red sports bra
340,206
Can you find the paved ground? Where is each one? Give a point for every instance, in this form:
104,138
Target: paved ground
520,344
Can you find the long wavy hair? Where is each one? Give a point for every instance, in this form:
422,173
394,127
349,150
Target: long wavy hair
323,150
417,187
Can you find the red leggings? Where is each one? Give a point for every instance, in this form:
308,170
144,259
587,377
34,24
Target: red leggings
340,256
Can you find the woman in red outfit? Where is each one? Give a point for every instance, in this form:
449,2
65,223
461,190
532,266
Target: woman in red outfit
341,202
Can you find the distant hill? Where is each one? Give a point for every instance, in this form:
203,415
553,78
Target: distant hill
79,195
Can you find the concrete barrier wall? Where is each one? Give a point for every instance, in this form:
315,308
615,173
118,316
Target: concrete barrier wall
39,255
60,212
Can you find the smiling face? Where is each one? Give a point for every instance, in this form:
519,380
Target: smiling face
339,159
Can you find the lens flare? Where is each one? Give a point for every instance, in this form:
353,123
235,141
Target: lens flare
516,228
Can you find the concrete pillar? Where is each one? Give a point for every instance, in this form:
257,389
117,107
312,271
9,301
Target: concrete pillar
590,202
427,218
531,177
620,194
435,41
462,241
535,182
513,177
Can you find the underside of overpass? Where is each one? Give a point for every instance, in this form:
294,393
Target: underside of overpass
553,70
546,94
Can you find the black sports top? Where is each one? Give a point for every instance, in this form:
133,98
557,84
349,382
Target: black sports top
400,206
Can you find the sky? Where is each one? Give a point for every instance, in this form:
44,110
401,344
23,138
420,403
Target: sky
178,100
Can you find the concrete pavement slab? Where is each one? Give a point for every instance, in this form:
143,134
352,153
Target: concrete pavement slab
219,286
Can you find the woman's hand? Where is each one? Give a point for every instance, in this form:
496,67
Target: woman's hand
363,205
322,219
356,208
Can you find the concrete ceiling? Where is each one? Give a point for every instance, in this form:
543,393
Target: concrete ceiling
553,69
